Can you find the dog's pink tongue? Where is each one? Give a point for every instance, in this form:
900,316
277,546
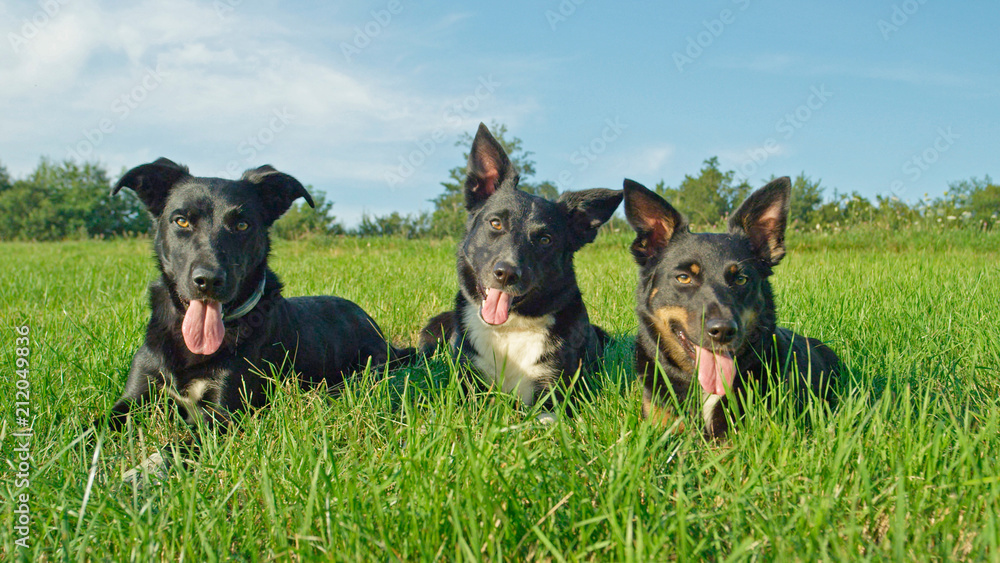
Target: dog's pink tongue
713,369
496,307
203,329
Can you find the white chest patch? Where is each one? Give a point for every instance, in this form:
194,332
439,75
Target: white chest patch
193,395
509,354
711,402
708,407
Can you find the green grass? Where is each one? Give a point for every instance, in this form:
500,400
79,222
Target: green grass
411,468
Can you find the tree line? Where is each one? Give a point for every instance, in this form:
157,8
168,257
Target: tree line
64,200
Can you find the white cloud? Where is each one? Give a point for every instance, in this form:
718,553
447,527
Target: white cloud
760,152
123,84
215,81
654,159
48,55
753,163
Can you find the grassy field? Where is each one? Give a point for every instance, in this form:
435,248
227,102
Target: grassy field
411,468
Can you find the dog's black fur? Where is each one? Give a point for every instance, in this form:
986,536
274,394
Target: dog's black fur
211,245
712,291
522,246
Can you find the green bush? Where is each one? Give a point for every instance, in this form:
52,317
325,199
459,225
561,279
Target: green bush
301,220
68,200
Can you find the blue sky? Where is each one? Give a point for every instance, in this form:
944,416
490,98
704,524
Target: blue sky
365,100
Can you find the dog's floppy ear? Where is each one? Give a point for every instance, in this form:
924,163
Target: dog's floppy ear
152,182
587,211
654,220
489,169
763,217
277,190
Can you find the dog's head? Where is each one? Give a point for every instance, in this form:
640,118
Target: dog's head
211,234
518,248
705,295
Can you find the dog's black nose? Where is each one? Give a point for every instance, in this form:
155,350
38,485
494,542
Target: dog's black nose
208,280
506,273
722,331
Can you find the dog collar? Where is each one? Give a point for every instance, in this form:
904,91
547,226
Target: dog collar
249,304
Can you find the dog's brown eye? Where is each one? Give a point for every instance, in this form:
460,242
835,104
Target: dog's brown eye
741,279
545,240
684,278
242,226
182,222
496,224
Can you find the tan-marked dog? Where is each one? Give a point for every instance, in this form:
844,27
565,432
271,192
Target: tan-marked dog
707,314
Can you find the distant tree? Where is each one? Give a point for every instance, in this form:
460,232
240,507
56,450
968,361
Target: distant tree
806,199
979,198
984,202
448,218
301,220
662,190
973,202
4,178
858,209
394,224
894,213
846,210
64,200
709,197
546,189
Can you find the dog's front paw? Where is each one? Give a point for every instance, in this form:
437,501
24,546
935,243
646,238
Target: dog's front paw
153,470
546,418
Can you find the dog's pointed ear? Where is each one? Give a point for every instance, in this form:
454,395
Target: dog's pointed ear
277,190
654,220
587,211
763,218
489,169
152,182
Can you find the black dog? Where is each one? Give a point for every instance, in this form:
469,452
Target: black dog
706,310
519,316
218,317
